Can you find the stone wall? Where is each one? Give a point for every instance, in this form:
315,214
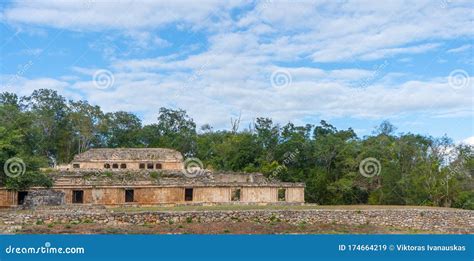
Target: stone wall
426,219
156,195
47,197
8,198
130,165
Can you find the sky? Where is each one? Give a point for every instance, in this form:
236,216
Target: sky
351,63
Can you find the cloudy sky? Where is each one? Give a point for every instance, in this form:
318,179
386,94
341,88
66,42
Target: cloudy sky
352,63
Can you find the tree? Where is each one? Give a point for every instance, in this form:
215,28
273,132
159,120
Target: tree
413,169
123,130
237,152
49,112
88,123
14,131
268,136
175,129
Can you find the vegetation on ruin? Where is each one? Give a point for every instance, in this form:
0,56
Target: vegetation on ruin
155,175
44,129
27,180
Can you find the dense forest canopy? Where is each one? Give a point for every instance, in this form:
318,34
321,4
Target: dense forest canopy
45,129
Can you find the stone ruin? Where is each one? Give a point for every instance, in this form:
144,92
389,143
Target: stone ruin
48,197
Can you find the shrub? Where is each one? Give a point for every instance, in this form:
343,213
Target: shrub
465,200
27,180
155,175
108,174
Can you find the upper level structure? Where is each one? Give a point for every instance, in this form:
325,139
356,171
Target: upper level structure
127,158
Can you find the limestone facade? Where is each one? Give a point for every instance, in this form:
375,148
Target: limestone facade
112,188
127,158
151,176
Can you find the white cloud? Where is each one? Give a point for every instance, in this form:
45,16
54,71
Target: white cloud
233,74
31,52
22,86
394,51
469,141
146,40
330,32
127,14
216,94
460,49
285,30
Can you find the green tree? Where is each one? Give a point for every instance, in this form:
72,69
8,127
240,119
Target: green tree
88,125
50,124
175,129
123,130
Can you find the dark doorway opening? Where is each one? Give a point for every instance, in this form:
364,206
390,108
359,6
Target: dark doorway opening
129,193
21,197
188,194
78,196
235,194
158,166
281,194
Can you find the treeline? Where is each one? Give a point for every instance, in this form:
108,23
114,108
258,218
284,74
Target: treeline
45,129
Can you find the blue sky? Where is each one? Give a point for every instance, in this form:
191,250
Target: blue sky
352,63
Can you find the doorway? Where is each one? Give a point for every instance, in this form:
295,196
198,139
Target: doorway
188,194
21,197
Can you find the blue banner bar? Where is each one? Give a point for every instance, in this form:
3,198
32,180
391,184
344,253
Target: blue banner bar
237,247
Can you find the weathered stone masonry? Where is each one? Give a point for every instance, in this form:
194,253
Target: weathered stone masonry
150,176
430,220
160,188
127,158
